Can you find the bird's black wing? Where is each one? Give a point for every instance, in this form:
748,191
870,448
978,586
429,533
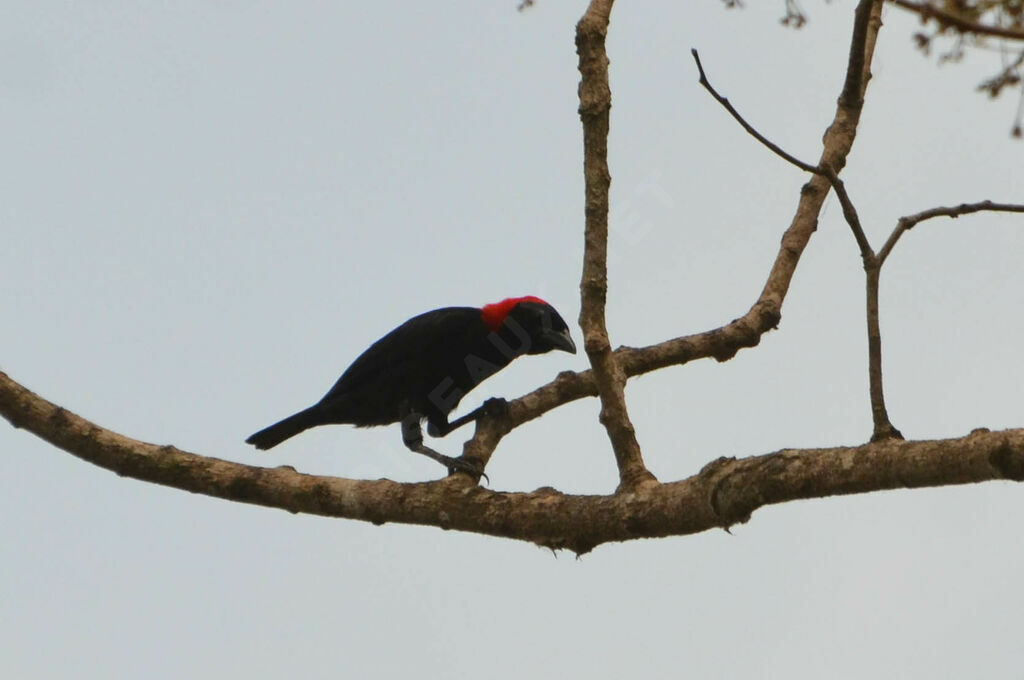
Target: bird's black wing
423,348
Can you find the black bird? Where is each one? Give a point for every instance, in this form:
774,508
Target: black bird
423,368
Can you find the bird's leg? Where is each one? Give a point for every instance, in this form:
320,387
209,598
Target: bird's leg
495,406
412,437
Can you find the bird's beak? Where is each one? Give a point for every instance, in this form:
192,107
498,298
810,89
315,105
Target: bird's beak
561,340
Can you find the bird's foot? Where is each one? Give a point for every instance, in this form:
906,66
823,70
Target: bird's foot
412,437
496,407
472,469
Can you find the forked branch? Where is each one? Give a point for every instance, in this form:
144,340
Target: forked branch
882,425
866,23
725,492
724,342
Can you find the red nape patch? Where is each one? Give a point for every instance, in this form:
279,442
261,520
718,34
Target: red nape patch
494,314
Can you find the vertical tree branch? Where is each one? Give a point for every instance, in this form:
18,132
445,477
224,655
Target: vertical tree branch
882,427
837,142
595,104
862,48
866,24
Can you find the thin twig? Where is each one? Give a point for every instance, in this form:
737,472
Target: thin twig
775,148
910,221
852,219
849,211
928,11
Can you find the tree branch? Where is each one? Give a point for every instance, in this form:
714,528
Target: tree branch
724,342
867,254
849,211
907,223
595,104
961,24
881,425
775,148
724,493
867,20
837,142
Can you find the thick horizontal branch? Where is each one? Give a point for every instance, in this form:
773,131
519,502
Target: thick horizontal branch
962,24
724,493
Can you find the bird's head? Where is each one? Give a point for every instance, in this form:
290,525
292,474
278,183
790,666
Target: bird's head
532,324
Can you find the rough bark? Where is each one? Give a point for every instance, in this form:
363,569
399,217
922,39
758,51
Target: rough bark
726,492
595,106
765,314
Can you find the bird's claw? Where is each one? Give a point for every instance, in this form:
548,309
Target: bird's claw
496,407
472,469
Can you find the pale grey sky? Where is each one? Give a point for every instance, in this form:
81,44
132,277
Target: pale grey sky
210,208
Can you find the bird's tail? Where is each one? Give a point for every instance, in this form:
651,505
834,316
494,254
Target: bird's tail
270,437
